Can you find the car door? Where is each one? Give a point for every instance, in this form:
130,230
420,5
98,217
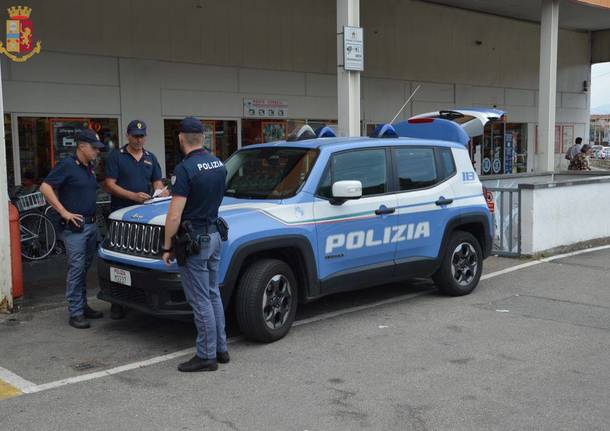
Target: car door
425,199
354,238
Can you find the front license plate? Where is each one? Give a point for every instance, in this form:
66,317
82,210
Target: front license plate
120,276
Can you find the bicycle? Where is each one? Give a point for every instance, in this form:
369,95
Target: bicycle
37,232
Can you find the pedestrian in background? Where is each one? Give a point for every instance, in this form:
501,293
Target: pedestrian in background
131,173
574,150
197,191
580,162
71,189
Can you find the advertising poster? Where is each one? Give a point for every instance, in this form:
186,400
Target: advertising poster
63,138
508,153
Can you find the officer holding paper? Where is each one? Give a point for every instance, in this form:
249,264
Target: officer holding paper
131,173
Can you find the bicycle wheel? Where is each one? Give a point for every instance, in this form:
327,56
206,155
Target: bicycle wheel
37,236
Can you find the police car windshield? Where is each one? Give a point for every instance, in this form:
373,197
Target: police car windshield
268,173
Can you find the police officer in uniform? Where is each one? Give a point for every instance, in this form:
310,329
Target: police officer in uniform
71,188
197,191
130,171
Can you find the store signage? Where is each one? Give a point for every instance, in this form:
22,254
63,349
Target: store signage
486,165
508,153
20,44
497,166
353,48
265,108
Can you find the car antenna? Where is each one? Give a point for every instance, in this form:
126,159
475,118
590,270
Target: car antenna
405,104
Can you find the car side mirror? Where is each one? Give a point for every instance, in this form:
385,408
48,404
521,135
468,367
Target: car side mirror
345,190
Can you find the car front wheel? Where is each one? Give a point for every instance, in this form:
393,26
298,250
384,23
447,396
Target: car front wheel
266,301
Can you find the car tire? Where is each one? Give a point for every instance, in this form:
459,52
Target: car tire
461,266
266,301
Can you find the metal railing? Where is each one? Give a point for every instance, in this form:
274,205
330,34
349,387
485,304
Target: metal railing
507,221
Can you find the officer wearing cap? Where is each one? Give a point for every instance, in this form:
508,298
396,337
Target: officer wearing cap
71,189
197,191
131,172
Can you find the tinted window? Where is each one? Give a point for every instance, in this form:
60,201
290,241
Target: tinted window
416,168
446,165
366,166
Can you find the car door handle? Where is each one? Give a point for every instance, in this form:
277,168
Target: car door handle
443,201
382,211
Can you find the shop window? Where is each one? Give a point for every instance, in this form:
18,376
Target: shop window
43,141
220,137
258,131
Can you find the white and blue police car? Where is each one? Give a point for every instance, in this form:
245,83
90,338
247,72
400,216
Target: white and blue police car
319,215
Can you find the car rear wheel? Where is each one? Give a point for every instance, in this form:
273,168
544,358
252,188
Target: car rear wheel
462,265
266,301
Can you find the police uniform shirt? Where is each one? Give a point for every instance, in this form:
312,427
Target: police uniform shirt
76,185
131,174
200,178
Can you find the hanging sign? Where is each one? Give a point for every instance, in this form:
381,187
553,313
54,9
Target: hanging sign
353,48
265,108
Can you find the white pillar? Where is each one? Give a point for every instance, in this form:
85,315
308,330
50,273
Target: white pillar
6,280
348,82
547,84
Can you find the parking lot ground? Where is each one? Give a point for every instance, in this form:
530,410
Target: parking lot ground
529,349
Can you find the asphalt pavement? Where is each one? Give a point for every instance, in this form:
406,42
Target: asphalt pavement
528,350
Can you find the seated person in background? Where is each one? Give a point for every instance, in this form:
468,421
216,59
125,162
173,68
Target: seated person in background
28,185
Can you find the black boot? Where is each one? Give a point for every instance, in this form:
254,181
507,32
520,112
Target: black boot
222,357
198,364
117,312
90,313
79,322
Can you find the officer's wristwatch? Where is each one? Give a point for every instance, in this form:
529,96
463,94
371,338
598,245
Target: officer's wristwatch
166,250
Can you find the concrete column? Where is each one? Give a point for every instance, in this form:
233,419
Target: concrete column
141,99
6,280
348,82
547,84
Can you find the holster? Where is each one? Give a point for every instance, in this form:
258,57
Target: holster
185,243
223,228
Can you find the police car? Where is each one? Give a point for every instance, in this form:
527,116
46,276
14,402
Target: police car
320,215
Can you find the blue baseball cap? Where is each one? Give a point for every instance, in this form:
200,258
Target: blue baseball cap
191,125
136,128
91,137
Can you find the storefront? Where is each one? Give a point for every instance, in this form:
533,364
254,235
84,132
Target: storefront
501,150
43,141
220,137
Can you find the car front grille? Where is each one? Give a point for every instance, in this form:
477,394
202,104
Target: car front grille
134,238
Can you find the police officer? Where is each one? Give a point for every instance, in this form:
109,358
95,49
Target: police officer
130,172
197,191
71,188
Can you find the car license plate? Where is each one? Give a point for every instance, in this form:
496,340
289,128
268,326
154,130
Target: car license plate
120,276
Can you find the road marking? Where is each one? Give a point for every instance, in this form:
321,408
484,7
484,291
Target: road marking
15,385
543,260
12,385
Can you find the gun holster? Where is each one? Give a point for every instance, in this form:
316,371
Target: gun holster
185,243
223,228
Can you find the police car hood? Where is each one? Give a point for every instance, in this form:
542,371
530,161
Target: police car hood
154,213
